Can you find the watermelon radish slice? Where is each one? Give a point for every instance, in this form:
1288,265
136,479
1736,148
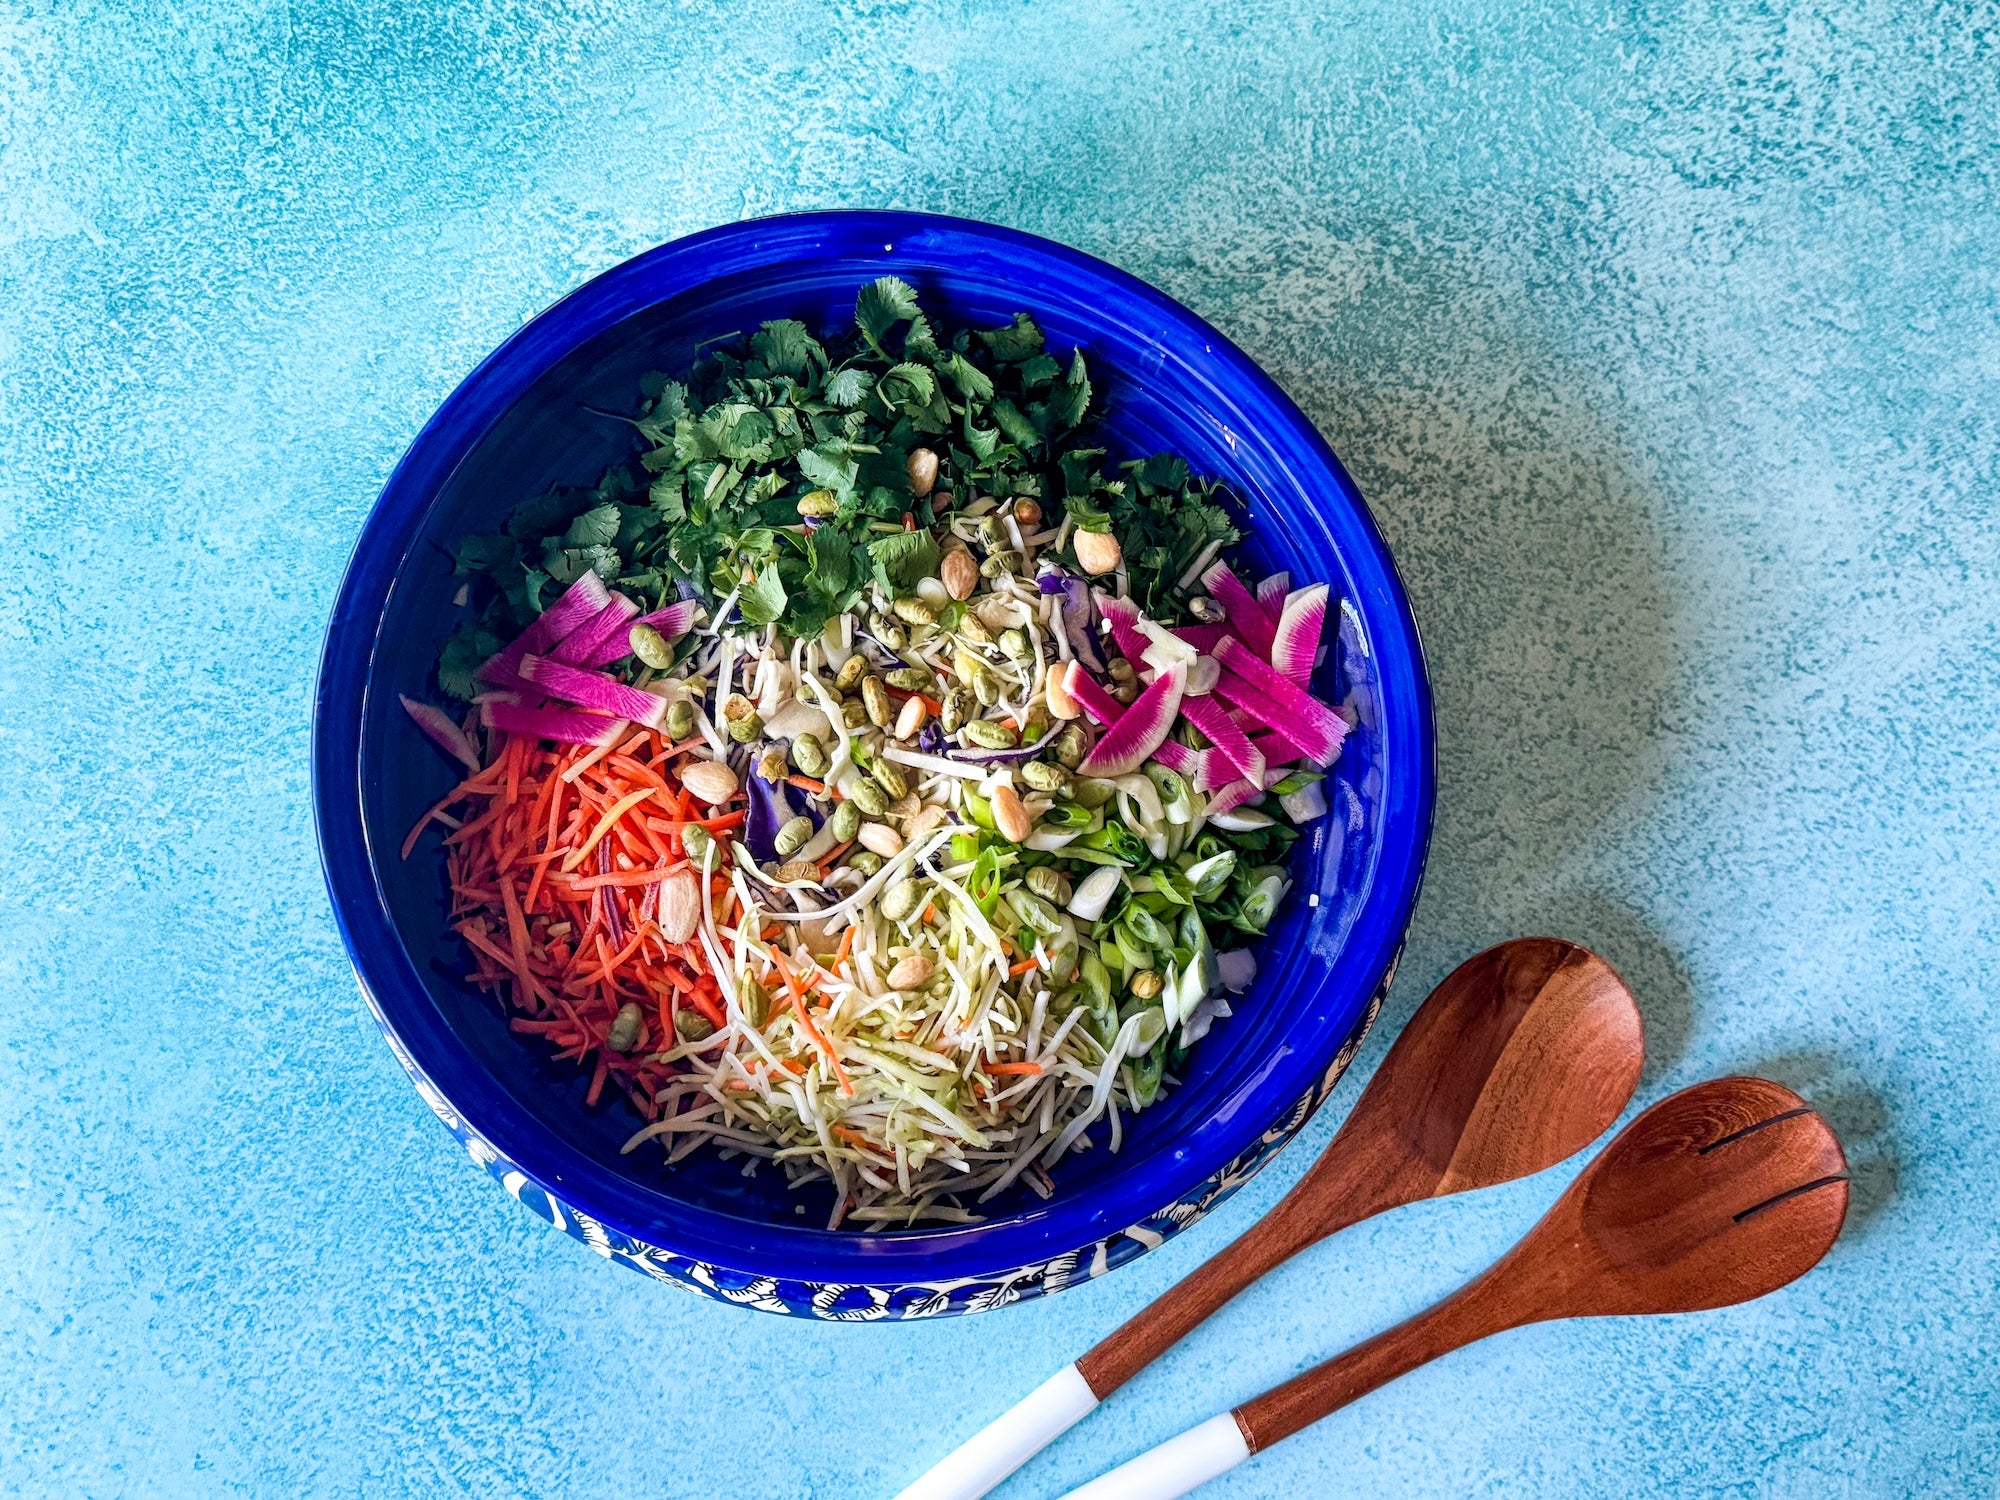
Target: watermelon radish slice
602,641
1141,729
568,725
1247,619
1214,772
673,622
1230,742
579,604
1233,796
1277,748
1178,757
445,733
1096,701
1124,617
1271,591
1295,644
599,692
1275,701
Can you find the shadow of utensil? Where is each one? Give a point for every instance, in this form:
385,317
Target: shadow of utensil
1859,1116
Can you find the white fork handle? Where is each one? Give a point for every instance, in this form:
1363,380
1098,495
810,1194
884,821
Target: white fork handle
1175,1467
1009,1440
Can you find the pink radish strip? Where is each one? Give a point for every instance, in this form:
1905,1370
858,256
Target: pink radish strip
568,725
603,640
1213,720
1202,637
1214,772
1295,644
1233,796
1098,703
1274,701
1178,757
1246,616
579,604
599,692
1124,617
1141,729
1271,592
1277,748
675,621
1310,739
436,723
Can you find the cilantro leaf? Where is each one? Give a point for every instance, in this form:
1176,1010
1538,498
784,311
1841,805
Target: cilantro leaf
669,497
881,306
668,407
1017,428
594,528
783,347
1038,371
464,653
849,387
831,562
907,386
973,383
567,564
763,599
534,519
904,558
486,552
830,470
1017,342
983,441
1069,401
738,431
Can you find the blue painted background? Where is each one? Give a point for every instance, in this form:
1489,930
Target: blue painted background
1663,341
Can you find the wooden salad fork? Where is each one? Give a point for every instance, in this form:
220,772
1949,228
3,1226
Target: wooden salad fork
1718,1194
1523,1056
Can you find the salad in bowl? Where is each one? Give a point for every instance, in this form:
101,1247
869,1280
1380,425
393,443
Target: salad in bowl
866,777
925,822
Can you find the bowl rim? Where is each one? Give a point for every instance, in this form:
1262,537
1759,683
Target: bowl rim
397,991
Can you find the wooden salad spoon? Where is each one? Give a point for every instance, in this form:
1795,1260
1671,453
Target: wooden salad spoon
1522,1057
1716,1195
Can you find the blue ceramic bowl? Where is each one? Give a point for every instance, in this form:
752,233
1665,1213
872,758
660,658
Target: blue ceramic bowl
524,420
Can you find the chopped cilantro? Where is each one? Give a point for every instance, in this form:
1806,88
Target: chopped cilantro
730,449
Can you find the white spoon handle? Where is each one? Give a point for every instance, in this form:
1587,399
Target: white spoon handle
1175,1467
1008,1441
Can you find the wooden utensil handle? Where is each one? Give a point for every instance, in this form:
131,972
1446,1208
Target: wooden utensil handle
1301,1218
1480,1308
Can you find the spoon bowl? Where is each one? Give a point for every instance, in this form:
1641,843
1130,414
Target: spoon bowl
1731,1190
1721,1193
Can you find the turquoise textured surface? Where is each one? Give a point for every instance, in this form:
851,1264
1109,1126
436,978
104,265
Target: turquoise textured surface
1664,341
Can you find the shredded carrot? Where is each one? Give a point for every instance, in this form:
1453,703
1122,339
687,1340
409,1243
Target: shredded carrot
612,814
1023,1068
622,878
803,1012
807,784
1023,966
